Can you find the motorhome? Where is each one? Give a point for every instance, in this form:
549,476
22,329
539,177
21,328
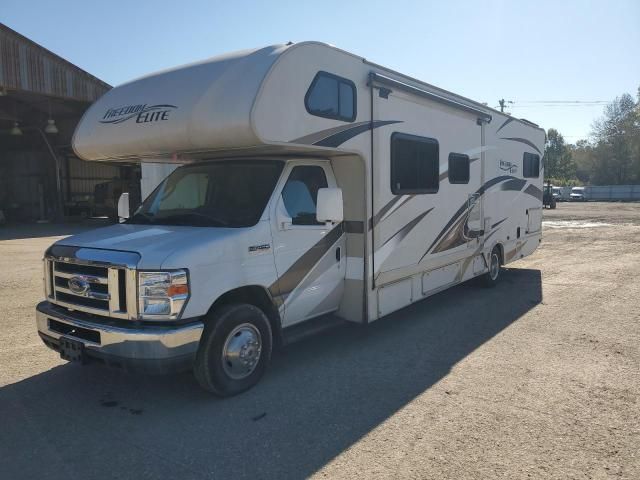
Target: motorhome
314,185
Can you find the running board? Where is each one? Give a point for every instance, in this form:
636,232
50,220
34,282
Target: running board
311,327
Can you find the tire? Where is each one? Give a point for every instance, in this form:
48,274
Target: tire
492,277
232,332
553,205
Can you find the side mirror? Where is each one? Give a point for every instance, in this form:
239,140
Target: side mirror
123,207
329,205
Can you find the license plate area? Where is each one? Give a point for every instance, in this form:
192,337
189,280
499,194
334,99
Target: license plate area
77,332
71,350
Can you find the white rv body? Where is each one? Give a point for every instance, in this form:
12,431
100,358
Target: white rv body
389,250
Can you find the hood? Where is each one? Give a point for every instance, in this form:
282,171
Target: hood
156,243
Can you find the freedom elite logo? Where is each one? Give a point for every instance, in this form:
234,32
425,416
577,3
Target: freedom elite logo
142,113
508,166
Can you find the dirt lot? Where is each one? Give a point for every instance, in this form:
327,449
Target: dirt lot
537,378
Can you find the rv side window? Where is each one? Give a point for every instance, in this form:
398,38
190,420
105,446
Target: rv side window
414,164
300,194
530,165
458,168
331,96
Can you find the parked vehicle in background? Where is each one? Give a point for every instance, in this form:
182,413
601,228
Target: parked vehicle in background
314,182
577,194
548,197
557,193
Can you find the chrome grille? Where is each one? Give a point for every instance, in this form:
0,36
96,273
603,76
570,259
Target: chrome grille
97,289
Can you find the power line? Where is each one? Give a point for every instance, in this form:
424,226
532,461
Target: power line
587,105
562,101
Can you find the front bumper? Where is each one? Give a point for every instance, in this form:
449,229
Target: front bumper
148,349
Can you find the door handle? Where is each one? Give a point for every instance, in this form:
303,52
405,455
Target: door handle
338,254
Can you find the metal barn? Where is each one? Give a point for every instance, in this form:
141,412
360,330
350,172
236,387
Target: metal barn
42,98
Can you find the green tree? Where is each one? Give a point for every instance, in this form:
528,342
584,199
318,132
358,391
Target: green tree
616,150
583,157
559,164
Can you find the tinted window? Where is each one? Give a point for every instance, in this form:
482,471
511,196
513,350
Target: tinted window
300,194
530,165
414,164
219,194
458,168
331,96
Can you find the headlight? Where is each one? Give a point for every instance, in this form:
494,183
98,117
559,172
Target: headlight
162,295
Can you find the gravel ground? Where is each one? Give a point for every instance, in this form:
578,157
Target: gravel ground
537,378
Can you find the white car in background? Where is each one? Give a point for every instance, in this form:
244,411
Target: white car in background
578,194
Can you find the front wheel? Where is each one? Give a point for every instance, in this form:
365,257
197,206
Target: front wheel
234,350
491,278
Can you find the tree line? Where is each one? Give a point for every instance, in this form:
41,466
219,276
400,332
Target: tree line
611,156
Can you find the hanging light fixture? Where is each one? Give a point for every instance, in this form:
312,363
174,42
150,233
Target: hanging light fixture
51,124
16,130
51,127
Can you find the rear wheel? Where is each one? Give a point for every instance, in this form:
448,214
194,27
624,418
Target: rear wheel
491,278
234,350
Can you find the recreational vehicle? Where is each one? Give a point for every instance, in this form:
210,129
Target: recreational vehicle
312,182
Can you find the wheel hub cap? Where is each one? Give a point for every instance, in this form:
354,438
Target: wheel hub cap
241,352
495,266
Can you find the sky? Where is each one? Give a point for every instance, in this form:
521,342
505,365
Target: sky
528,52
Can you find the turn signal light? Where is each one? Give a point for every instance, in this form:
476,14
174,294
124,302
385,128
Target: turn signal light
174,290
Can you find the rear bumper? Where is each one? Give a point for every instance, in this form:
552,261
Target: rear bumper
148,349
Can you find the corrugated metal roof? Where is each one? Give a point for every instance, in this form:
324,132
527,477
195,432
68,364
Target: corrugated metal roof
27,66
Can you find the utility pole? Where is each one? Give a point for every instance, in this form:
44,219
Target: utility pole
503,104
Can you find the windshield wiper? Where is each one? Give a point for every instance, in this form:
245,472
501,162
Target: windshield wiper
147,217
184,217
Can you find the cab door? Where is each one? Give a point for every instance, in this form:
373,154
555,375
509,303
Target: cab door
309,256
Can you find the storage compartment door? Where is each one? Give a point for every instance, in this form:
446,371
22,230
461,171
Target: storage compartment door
534,219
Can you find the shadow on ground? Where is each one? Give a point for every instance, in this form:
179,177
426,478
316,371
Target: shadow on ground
319,398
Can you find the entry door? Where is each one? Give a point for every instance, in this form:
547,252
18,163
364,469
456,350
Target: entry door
474,220
475,199
310,256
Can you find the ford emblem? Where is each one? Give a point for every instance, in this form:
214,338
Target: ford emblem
79,285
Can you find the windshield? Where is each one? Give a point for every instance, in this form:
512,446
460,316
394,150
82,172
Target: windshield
222,194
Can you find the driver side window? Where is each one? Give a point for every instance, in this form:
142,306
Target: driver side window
300,193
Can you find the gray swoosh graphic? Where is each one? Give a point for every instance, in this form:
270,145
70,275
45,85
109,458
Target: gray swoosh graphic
289,280
534,192
336,136
506,122
522,140
514,185
463,208
401,234
339,138
322,134
496,224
